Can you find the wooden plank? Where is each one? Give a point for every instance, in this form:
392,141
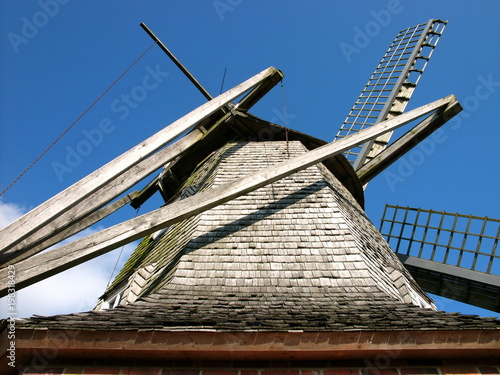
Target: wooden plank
123,182
57,205
451,270
103,196
68,231
405,143
258,92
50,263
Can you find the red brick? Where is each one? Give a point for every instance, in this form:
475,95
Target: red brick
219,372
379,371
102,371
181,372
141,371
280,372
341,372
459,371
488,371
312,372
249,372
44,370
419,371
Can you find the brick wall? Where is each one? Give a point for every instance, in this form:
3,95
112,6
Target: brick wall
440,367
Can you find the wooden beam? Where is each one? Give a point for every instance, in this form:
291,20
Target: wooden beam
62,202
50,263
123,182
258,92
409,140
118,345
105,194
68,231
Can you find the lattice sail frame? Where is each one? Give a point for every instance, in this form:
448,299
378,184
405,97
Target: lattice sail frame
463,241
390,87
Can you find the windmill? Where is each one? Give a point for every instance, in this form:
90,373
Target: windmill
255,234
390,87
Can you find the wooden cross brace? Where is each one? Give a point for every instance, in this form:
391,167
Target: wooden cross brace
46,224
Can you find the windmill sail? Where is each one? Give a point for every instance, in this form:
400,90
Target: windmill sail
390,87
449,254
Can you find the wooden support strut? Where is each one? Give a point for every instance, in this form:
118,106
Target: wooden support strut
35,242
38,240
64,201
68,231
409,140
52,262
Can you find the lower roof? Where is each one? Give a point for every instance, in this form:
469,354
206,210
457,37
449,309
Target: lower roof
332,313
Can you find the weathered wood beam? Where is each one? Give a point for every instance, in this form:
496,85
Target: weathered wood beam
50,263
123,182
80,225
152,186
405,143
62,202
258,92
106,194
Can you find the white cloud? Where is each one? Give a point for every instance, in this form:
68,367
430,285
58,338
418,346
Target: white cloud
74,290
9,212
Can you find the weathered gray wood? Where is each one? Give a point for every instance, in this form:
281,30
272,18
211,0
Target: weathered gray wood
258,92
103,196
68,231
54,207
118,185
50,263
405,143
123,182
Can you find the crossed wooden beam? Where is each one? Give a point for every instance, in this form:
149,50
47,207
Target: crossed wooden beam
86,202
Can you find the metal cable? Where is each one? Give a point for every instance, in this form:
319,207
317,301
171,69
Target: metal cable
284,118
74,122
119,256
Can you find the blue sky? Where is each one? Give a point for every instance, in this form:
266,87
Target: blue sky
58,56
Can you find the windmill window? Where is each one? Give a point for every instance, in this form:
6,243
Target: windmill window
114,300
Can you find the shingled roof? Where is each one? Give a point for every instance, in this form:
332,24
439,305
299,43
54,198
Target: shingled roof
299,254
